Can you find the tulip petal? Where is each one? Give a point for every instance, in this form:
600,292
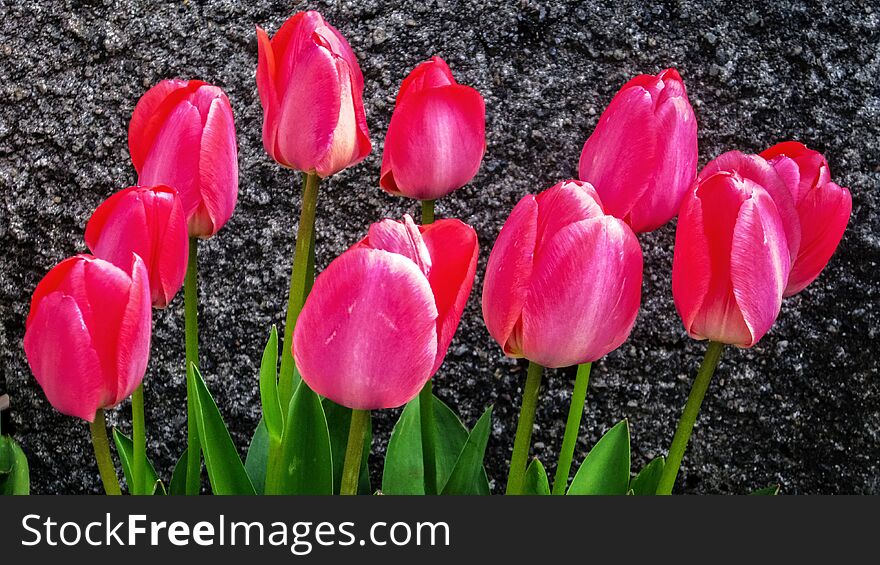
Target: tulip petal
430,74
266,72
824,213
367,337
403,238
584,295
150,114
691,272
454,249
62,358
345,147
509,271
563,204
218,171
133,338
435,142
760,263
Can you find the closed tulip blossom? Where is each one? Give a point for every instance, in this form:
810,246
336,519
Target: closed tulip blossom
437,135
823,208
731,261
642,156
381,316
563,282
150,222
87,335
182,134
311,89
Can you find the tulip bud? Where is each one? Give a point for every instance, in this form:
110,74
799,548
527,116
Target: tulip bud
311,89
182,134
563,282
87,335
437,135
731,260
642,157
380,317
823,208
150,222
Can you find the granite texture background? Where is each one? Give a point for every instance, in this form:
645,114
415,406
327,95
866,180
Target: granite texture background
802,408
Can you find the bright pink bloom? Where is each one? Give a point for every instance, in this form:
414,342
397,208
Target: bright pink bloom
823,208
150,222
381,316
437,135
731,260
642,157
564,279
311,88
182,135
87,335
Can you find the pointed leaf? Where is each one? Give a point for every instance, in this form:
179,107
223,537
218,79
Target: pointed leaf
14,473
125,449
536,481
468,469
772,490
159,489
404,472
225,469
338,422
306,454
257,458
606,468
177,486
645,483
272,415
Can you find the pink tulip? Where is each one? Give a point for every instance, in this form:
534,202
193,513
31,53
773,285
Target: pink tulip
381,316
87,335
311,88
564,279
823,208
150,222
642,157
182,135
437,135
731,260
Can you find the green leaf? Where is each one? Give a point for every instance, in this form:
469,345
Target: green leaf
225,470
177,486
467,472
404,471
645,483
606,468
14,473
772,490
536,481
125,449
257,459
272,415
338,423
306,454
159,489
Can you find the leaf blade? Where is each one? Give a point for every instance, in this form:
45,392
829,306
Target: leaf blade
606,468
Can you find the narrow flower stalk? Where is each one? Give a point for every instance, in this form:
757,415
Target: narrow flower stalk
139,440
101,445
191,317
426,402
572,428
689,417
523,440
303,268
351,470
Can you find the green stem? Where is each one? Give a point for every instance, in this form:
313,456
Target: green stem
689,417
102,454
299,285
191,319
523,440
427,212
351,471
139,439
273,466
572,428
429,442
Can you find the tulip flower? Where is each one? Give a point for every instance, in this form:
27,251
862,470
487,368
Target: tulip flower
823,208
87,335
150,222
437,135
642,157
182,135
311,89
381,316
563,282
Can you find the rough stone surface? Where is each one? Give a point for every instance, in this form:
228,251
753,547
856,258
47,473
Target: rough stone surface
802,408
